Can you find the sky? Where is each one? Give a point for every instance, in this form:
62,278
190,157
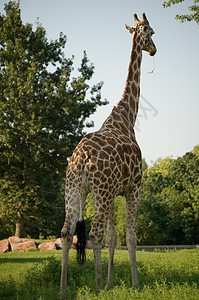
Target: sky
168,118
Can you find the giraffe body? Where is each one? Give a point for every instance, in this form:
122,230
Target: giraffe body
108,163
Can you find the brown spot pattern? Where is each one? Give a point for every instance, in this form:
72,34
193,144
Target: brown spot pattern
107,162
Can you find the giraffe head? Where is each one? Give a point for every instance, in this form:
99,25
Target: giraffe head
144,33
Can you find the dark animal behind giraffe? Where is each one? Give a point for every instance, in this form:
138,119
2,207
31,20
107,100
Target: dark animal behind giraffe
81,242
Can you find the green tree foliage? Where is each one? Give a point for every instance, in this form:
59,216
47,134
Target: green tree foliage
182,196
43,114
144,165
168,210
194,9
196,150
151,216
120,220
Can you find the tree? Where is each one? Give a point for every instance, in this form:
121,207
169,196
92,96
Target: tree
144,165
43,116
182,196
169,203
152,215
194,9
196,150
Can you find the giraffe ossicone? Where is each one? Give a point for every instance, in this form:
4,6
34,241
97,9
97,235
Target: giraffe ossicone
108,163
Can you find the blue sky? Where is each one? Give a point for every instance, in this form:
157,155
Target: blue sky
168,120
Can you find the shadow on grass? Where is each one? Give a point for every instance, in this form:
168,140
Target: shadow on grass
23,260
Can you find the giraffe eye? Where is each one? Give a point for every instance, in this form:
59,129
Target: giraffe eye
145,28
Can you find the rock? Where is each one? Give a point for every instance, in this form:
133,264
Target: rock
47,246
58,244
21,245
4,246
74,242
75,239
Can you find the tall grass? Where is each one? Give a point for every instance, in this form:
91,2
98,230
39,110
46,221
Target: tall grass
162,275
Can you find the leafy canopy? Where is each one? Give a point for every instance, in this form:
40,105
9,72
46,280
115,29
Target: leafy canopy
194,9
43,115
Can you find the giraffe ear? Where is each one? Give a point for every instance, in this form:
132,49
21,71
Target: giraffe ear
130,29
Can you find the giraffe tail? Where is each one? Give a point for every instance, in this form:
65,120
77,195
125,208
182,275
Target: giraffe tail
81,242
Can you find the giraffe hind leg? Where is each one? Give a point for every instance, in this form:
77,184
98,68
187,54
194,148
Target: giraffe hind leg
75,200
131,239
96,236
67,238
66,243
112,242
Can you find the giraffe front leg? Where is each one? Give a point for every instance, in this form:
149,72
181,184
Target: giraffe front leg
98,269
131,239
112,242
96,236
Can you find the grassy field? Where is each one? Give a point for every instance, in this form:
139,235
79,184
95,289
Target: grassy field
162,275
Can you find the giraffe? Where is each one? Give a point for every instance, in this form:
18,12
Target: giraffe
108,163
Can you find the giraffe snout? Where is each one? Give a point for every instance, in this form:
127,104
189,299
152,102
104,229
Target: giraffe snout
152,50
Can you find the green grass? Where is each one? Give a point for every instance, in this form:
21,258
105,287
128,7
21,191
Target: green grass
162,275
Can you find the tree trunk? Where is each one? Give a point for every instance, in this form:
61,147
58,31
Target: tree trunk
19,225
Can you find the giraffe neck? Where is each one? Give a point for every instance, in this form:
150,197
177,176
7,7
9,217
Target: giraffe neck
124,115
130,99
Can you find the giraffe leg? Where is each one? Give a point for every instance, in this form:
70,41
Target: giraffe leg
131,239
65,250
67,237
96,236
112,242
75,198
